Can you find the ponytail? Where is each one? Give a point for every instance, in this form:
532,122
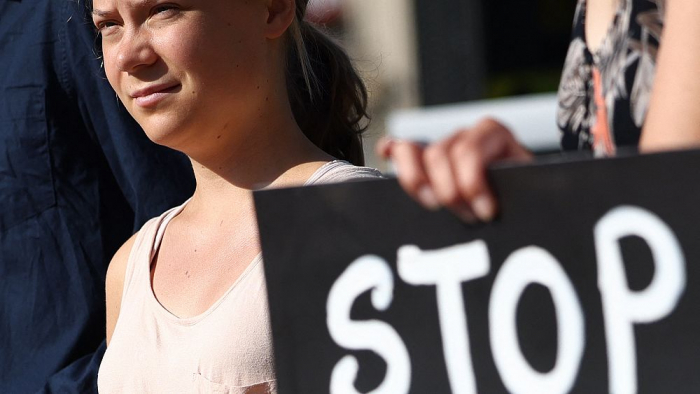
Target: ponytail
328,97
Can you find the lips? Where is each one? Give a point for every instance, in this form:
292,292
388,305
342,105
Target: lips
152,95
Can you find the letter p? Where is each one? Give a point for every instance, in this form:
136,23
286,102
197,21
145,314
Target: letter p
622,308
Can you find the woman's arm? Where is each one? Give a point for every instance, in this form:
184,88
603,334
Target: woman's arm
114,285
673,120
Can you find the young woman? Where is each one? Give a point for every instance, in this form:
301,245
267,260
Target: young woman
256,98
619,51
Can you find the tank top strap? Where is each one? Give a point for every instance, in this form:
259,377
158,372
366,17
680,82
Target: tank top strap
142,252
341,171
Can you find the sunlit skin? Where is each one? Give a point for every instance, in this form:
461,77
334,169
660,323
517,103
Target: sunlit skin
212,54
206,77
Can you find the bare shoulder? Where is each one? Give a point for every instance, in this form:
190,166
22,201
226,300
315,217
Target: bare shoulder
117,267
114,283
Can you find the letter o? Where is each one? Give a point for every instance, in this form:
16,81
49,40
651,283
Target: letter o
523,267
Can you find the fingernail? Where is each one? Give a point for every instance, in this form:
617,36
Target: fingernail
428,198
484,208
465,214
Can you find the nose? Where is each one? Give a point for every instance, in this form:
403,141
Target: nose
135,51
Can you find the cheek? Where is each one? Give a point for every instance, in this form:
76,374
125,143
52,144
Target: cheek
232,39
181,51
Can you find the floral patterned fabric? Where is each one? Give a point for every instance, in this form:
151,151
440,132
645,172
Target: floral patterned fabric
604,96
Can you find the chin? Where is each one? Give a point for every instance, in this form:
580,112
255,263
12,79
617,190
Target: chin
163,129
159,138
160,135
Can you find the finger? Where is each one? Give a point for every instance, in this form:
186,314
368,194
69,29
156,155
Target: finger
440,176
498,142
407,157
472,152
470,182
383,147
442,181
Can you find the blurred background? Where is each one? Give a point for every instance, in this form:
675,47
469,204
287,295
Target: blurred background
432,65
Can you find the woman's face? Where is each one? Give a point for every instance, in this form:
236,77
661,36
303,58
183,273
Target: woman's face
185,69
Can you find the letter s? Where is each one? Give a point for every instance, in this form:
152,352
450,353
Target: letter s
366,273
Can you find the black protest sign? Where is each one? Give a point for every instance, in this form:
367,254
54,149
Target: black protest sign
588,281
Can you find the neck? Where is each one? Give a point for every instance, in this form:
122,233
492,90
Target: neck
253,147
272,153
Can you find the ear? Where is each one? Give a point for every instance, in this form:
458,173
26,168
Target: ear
280,14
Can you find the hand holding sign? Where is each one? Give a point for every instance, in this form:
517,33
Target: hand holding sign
452,172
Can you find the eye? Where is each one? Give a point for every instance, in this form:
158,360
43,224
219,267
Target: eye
105,26
164,10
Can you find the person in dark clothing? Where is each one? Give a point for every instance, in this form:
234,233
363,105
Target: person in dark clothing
77,177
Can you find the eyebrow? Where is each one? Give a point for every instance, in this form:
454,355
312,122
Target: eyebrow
100,13
138,3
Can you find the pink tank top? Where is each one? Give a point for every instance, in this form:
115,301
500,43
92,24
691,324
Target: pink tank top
226,349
